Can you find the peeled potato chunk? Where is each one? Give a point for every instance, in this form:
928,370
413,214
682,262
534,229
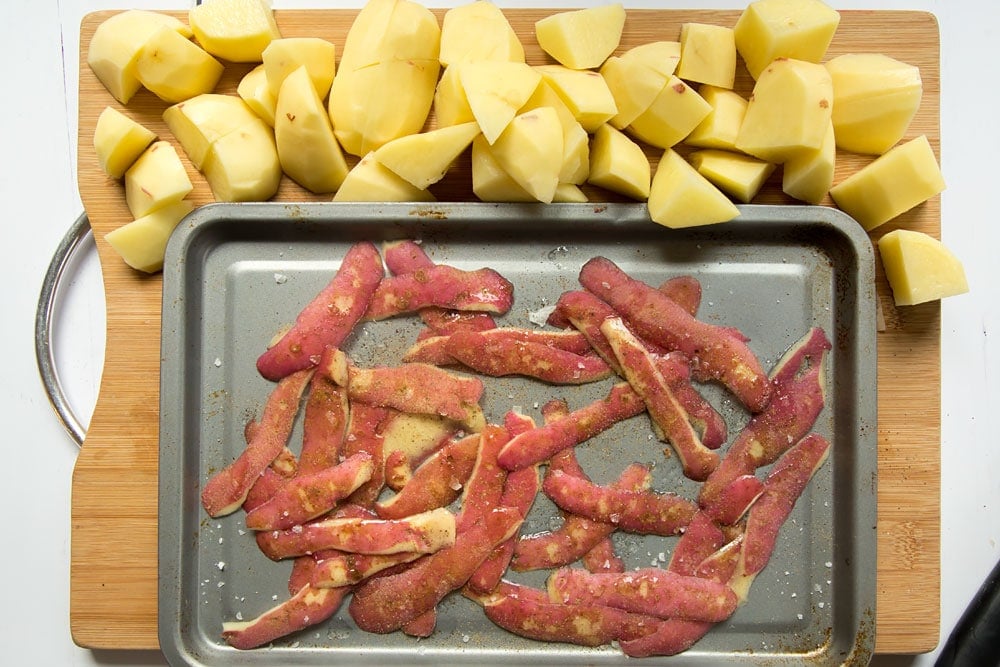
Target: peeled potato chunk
664,57
584,92
451,106
721,126
256,92
576,141
633,85
243,165
681,197
234,30
739,176
284,56
478,31
618,164
672,116
809,176
584,38
489,180
423,159
199,121
143,242
771,29
708,55
119,141
531,151
391,30
369,180
920,268
496,91
174,68
156,179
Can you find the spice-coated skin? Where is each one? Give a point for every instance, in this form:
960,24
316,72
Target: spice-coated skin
436,482
442,286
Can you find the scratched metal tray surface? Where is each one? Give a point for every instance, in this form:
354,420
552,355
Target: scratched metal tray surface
235,274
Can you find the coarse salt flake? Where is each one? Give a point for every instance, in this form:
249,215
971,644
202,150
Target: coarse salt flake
280,278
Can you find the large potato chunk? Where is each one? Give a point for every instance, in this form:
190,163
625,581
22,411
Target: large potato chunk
681,197
423,159
369,180
234,30
874,99
255,91
199,121
451,106
489,180
721,127
496,91
618,164
585,94
674,113
174,68
243,165
531,151
739,176
576,141
284,56
157,179
391,30
771,29
584,38
708,54
119,141
143,242
633,85
920,268
809,176
478,31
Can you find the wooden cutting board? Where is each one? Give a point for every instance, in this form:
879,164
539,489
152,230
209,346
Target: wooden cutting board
114,497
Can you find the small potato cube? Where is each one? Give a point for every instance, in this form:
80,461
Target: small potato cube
423,159
119,141
370,181
633,85
199,121
675,112
451,106
920,268
243,165
584,38
618,164
660,56
478,31
530,149
142,243
496,91
681,197
772,29
156,179
174,68
489,180
234,30
568,193
739,176
576,141
720,127
584,92
284,56
899,180
708,55
809,176
257,94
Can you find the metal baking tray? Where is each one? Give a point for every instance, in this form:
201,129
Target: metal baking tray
235,274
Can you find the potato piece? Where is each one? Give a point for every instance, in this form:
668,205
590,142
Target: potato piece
576,142
681,197
423,159
584,92
234,30
708,54
583,38
662,57
530,149
143,242
451,106
478,31
809,176
721,126
284,56
674,113
243,165
618,164
387,30
920,268
196,123
496,91
904,177
156,179
253,89
569,193
490,182
874,99
116,45
174,68
739,176
771,29
119,141
633,86
307,148
789,111
370,180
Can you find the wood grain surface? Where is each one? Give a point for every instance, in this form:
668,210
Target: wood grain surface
114,494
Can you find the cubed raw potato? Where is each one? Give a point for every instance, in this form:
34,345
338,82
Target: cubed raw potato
899,180
708,55
234,30
423,159
496,91
576,141
199,121
369,180
569,193
374,105
174,68
284,56
119,141
155,180
722,125
618,164
478,31
387,30
584,92
490,182
681,197
674,113
142,243
740,176
451,106
530,149
243,165
307,148
789,111
255,91
660,56
633,85
920,268
584,38
809,176
115,46
874,99
772,29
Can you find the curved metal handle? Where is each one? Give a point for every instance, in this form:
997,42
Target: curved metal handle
43,330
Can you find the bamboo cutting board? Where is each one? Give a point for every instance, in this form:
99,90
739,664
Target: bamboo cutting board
114,495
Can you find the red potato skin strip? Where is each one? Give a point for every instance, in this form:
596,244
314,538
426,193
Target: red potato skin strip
540,444
649,591
669,417
225,491
387,603
799,396
641,512
735,499
329,318
442,286
602,558
422,533
423,625
701,538
486,483
437,482
435,349
324,425
308,496
685,291
263,489
342,568
308,607
714,351
364,436
670,637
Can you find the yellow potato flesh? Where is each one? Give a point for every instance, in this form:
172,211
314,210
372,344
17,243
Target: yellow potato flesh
243,165
584,38
496,91
423,159
633,85
569,193
530,150
584,92
451,106
119,141
489,180
391,30
681,197
721,126
255,91
809,176
576,141
920,268
771,29
618,164
675,112
284,56
739,176
142,243
174,68
234,30
660,56
369,180
156,179
478,31
199,121
708,55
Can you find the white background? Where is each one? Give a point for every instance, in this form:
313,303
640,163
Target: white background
38,130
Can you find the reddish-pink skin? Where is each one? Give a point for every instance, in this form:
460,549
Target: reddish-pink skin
500,355
539,444
324,425
387,603
783,486
721,565
263,489
431,350
423,625
436,482
364,435
516,423
602,558
342,568
441,322
670,637
700,539
442,286
227,489
307,496
303,570
735,499
308,607
642,512
398,470
647,591
685,291
798,399
667,414
714,351
435,349
404,256
486,483
329,318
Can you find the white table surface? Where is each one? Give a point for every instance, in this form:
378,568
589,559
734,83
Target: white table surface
38,128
